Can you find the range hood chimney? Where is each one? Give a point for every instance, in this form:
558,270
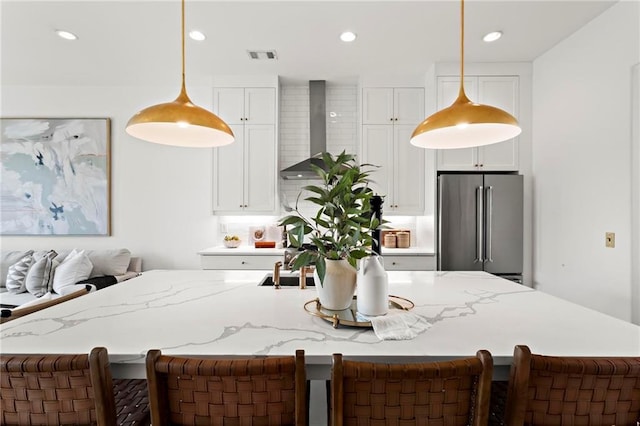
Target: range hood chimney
317,134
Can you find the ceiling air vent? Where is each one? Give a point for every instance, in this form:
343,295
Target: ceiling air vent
262,54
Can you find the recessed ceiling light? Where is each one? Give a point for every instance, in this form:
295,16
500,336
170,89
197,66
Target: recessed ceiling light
66,35
492,36
197,35
347,36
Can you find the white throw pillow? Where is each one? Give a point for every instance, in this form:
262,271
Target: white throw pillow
40,275
109,262
7,259
76,267
17,275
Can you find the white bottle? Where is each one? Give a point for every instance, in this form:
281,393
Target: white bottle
372,287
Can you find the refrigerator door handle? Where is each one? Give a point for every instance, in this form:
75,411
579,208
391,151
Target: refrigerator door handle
479,230
489,224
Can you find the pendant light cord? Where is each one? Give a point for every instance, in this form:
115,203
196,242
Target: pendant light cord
461,40
462,94
184,89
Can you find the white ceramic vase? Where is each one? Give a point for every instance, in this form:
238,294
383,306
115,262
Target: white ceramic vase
373,287
337,290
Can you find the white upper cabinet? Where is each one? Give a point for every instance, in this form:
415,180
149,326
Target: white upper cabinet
498,91
245,172
409,173
260,159
389,117
228,174
377,148
238,105
386,105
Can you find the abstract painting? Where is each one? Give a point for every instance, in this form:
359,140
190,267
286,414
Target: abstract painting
55,176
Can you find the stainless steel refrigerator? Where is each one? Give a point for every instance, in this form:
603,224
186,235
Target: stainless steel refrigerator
479,221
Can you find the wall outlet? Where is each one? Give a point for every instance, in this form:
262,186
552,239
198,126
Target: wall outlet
610,239
223,228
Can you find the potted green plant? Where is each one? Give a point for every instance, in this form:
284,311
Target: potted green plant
340,230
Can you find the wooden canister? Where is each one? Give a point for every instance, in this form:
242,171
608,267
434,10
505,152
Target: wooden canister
390,240
403,239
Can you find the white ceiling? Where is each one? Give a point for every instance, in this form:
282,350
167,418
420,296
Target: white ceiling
138,42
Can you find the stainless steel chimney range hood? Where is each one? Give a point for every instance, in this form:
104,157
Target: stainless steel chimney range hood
317,134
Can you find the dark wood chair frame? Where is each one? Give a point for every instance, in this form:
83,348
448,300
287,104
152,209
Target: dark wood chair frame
11,314
479,369
162,368
549,390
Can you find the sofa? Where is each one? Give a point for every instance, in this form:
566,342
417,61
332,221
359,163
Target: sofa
29,278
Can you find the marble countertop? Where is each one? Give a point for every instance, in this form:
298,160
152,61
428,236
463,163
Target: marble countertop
245,250
225,312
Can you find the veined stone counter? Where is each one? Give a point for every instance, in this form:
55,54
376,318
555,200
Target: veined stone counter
225,313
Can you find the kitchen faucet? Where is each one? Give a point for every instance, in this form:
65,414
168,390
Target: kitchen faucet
302,279
276,275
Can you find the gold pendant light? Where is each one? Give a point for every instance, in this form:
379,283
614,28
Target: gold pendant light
465,124
180,123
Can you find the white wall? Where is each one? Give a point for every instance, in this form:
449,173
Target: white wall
161,202
581,162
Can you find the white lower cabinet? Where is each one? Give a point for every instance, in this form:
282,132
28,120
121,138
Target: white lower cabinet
409,263
267,262
263,262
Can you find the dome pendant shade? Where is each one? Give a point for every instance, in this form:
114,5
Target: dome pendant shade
180,123
465,124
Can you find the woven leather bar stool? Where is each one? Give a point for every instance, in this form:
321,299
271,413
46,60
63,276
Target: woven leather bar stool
57,389
430,393
242,391
550,391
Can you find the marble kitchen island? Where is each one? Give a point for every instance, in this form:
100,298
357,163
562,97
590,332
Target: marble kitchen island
226,313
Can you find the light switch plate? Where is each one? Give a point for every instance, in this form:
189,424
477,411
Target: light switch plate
610,239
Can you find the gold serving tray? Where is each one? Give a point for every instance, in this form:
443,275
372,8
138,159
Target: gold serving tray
349,316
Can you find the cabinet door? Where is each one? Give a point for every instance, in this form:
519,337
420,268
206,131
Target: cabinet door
408,263
377,149
501,92
228,104
238,262
409,174
462,158
228,174
260,166
408,105
377,105
260,105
